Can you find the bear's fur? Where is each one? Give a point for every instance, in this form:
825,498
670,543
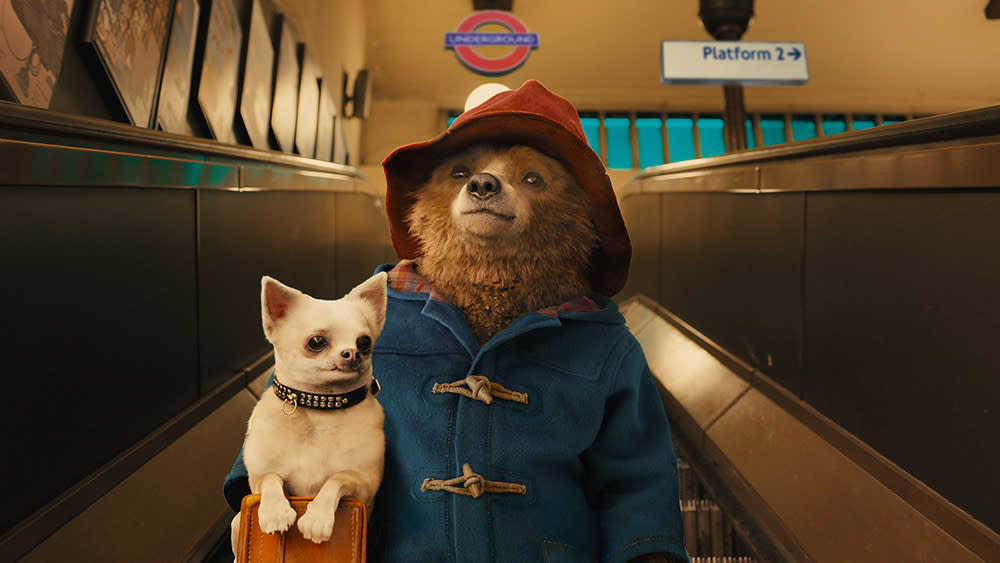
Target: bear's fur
527,246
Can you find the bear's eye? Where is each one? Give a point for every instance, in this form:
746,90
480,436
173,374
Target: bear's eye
459,172
533,179
364,344
316,344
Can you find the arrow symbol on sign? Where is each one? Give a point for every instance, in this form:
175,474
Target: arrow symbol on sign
795,53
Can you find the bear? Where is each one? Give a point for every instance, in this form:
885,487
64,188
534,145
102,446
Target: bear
522,422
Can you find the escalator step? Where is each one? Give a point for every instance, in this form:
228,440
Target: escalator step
706,530
688,481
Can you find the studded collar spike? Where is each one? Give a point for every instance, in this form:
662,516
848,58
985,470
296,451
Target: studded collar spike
293,398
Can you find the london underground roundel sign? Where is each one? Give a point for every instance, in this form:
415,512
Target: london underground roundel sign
466,38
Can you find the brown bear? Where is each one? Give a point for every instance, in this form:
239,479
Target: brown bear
522,422
512,238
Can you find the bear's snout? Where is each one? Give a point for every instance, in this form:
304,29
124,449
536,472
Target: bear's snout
483,186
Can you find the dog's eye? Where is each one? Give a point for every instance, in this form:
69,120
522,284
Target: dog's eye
533,179
317,344
460,172
364,344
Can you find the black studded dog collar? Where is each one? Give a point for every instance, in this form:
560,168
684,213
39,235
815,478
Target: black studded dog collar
293,398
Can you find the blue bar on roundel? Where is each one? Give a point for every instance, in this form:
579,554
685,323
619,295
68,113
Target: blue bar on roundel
455,39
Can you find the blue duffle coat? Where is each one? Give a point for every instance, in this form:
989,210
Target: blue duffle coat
571,460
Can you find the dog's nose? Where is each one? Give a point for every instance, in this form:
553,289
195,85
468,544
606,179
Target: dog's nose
351,359
483,186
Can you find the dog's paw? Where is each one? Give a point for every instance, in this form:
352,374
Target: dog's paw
316,525
276,518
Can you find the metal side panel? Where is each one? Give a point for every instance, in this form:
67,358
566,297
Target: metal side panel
699,382
732,266
964,166
736,179
362,235
837,511
636,315
642,216
243,235
159,512
36,164
902,319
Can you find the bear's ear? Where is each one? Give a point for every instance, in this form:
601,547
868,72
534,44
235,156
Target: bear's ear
372,295
276,299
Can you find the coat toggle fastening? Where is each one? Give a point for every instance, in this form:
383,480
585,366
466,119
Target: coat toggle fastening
472,485
480,388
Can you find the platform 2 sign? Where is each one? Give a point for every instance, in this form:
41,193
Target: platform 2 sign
748,63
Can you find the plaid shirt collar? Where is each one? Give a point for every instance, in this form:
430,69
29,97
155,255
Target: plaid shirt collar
405,278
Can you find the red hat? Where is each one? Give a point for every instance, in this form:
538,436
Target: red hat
531,116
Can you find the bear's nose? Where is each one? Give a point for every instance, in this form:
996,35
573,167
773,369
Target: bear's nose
483,186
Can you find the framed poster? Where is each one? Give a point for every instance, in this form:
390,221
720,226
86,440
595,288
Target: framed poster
327,115
258,76
220,70
286,90
32,42
175,87
339,142
129,38
305,125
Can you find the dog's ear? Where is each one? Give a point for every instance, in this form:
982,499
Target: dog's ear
276,299
372,295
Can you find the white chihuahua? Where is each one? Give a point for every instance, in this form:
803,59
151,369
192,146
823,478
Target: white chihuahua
317,432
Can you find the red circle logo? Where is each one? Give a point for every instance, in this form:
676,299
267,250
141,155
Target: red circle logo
466,38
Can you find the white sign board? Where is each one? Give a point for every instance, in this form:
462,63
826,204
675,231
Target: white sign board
751,63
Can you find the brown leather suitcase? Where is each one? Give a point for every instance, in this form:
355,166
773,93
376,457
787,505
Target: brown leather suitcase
347,545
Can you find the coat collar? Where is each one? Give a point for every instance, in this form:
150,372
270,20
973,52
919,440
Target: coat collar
406,283
406,278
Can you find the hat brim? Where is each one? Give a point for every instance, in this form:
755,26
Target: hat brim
410,166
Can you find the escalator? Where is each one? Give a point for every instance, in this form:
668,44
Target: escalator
820,316
790,302
143,251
